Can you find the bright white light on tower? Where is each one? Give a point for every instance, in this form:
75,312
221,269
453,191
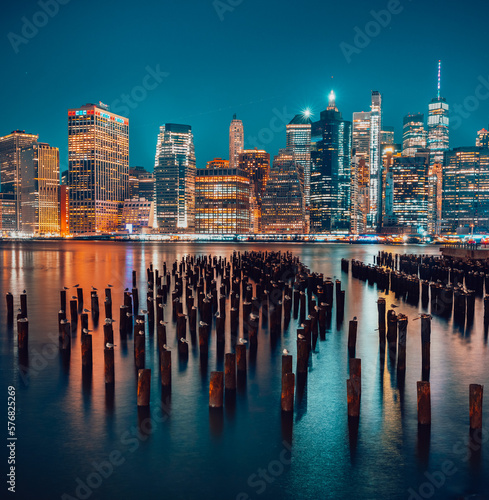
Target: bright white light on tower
307,113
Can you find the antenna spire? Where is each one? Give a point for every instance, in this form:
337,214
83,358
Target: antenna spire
439,80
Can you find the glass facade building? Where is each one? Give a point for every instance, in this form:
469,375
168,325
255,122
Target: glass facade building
236,141
375,162
330,172
174,173
414,134
284,206
98,168
141,183
39,164
10,148
438,125
256,164
465,202
222,200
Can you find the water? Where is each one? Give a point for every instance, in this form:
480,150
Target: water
68,430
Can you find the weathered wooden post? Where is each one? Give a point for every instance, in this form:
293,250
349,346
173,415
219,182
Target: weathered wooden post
73,312
230,371
475,405
94,305
302,356
354,387
425,341
165,366
352,337
424,403
140,353
22,333
79,295
23,305
10,307
381,312
161,335
144,387
402,322
216,390
286,364
287,396
391,327
241,358
65,335
62,300
108,307
203,340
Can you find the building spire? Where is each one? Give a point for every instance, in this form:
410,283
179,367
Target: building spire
439,80
332,100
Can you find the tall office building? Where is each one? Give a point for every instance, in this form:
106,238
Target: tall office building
411,190
387,135
438,125
175,179
375,190
236,141
360,172
299,144
8,220
222,199
39,165
330,171
284,206
141,183
256,164
465,204
98,168
10,147
482,140
414,135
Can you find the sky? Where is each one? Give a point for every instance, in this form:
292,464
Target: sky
198,62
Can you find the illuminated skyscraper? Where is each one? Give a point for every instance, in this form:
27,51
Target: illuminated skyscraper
360,172
39,164
330,171
482,140
141,183
387,135
256,164
98,168
375,190
175,179
299,144
10,147
236,141
414,134
222,199
284,207
438,125
411,190
465,204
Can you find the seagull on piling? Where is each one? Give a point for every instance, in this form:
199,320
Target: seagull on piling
109,285
144,311
300,336
285,352
166,347
76,286
93,288
163,322
354,318
24,292
126,289
65,288
203,323
108,321
110,346
86,310
183,340
73,297
86,330
394,305
129,315
243,341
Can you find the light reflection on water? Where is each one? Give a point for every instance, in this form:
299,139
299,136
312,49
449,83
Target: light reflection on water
65,423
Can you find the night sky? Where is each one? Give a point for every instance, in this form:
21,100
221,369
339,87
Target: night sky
260,59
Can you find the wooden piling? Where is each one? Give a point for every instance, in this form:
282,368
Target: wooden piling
302,356
140,353
241,358
475,405
109,365
216,390
402,322
424,403
86,351
352,337
22,333
286,364
144,387
165,367
62,300
287,396
73,312
425,341
354,387
23,305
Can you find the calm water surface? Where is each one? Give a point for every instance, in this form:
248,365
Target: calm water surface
67,427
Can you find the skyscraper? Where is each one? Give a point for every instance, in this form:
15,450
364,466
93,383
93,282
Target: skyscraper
175,170
438,125
414,134
39,164
375,190
222,199
236,141
465,204
141,183
98,168
360,172
387,135
482,140
256,164
299,144
284,207
330,171
10,147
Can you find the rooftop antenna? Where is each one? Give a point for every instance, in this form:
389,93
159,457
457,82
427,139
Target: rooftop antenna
439,80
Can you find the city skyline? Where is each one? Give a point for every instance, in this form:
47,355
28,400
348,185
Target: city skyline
169,91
